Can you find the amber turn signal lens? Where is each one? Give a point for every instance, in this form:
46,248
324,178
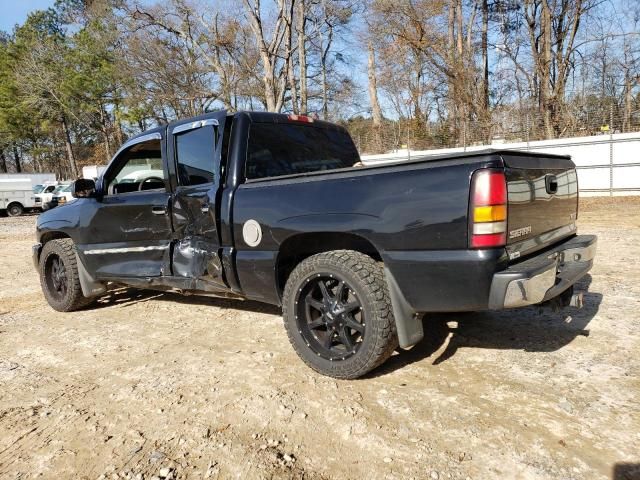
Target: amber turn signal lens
492,213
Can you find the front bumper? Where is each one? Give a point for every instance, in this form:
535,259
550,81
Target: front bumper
544,276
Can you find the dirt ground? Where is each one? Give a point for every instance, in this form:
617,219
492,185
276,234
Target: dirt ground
149,384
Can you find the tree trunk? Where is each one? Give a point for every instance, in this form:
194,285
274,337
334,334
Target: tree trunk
16,158
627,102
485,71
545,74
291,73
267,79
376,112
451,102
302,55
325,91
323,70
118,129
36,155
69,148
459,32
105,132
462,110
292,87
3,161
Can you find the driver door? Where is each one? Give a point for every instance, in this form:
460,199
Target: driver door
130,229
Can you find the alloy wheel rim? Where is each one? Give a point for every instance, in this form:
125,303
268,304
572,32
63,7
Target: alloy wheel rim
330,317
56,274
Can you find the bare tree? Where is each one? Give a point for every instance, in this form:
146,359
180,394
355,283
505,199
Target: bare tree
552,27
301,27
376,111
274,59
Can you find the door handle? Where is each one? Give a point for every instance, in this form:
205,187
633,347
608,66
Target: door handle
159,210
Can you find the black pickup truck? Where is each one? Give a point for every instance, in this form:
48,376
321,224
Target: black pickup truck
279,209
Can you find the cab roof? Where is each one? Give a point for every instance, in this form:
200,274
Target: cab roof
253,116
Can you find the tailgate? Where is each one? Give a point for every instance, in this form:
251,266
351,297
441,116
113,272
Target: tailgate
542,195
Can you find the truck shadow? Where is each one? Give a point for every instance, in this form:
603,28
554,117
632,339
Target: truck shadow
626,471
532,329
128,296
226,303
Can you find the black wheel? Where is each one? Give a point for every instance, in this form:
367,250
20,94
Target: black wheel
59,276
15,210
338,314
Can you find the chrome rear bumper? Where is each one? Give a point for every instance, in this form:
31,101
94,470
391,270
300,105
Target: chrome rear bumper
544,276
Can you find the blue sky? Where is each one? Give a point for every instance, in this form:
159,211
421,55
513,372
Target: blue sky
16,11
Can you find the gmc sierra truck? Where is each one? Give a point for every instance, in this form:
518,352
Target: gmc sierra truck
279,209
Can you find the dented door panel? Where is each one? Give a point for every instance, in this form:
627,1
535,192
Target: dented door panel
196,248
195,208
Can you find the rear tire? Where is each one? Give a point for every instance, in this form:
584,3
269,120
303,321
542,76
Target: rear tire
337,313
15,210
59,277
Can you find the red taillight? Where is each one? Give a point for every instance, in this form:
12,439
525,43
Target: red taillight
488,209
489,188
489,241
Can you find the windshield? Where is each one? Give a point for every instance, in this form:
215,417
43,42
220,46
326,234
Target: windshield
287,149
60,188
38,188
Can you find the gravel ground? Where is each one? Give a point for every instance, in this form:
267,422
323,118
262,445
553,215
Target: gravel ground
148,384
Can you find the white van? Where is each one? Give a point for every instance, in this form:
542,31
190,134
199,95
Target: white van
16,196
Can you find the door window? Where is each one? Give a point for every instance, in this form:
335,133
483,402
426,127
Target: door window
195,150
138,168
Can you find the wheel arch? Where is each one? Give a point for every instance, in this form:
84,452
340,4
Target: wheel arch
52,235
44,238
303,245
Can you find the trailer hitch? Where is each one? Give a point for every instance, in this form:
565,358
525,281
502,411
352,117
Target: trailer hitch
568,298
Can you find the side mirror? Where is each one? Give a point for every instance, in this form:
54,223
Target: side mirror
83,188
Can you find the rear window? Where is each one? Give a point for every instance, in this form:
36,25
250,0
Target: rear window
285,149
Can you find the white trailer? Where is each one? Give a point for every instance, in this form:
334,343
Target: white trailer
93,171
35,178
16,195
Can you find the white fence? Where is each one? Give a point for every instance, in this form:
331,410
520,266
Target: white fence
606,164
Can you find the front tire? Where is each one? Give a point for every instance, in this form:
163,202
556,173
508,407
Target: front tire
59,276
337,313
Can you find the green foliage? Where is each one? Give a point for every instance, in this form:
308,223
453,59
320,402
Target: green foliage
53,70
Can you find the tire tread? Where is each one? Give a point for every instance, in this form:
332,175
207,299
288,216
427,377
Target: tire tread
65,249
